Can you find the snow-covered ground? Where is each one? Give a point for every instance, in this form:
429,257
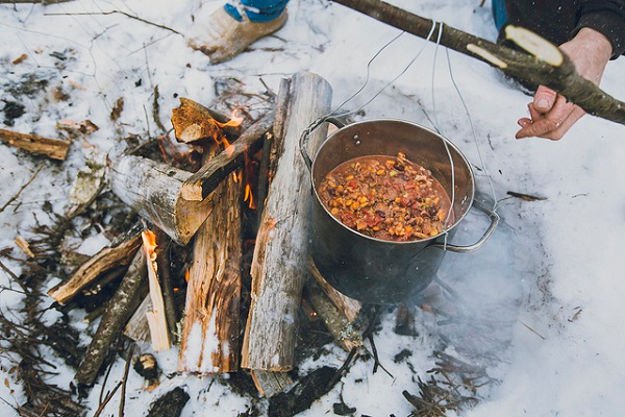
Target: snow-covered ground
541,303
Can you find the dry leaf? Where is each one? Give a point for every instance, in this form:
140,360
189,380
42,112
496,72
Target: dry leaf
118,108
19,59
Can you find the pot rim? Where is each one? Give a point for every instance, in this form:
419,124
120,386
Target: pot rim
412,124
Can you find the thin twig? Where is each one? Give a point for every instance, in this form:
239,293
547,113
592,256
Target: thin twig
107,399
122,400
158,25
32,178
534,331
376,359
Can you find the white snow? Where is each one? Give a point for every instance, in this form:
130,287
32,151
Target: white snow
540,304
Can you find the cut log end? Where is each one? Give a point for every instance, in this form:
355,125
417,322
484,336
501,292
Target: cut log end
535,45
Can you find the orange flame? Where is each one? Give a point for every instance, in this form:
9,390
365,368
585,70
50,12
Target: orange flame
249,197
149,244
187,275
235,119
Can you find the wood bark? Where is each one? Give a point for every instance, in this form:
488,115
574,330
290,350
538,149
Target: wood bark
211,323
535,67
116,315
153,190
52,148
199,185
88,272
278,266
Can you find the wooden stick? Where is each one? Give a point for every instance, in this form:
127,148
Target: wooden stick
198,186
164,275
278,272
52,148
159,332
153,190
541,66
87,273
113,320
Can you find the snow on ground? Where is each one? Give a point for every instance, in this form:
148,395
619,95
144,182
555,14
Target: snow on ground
540,304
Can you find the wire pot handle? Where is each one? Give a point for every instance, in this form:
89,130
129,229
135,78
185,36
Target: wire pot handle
305,137
494,221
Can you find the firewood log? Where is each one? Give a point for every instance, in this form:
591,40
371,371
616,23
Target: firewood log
153,190
52,148
279,263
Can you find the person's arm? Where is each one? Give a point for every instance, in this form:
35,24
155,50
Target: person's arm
599,36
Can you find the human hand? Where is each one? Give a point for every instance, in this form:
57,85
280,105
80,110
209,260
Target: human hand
551,115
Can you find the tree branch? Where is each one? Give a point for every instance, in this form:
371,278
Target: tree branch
538,67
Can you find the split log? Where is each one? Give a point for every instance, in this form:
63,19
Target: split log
199,185
347,306
544,64
153,190
346,335
211,323
137,328
117,312
193,122
270,384
159,330
278,272
86,274
52,148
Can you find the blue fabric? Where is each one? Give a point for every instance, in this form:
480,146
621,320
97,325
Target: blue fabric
258,10
500,14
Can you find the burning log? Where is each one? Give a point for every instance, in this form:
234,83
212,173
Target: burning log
153,190
87,273
52,148
193,122
278,273
211,323
117,312
159,332
199,185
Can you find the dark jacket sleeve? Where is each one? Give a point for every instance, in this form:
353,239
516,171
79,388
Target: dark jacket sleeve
607,17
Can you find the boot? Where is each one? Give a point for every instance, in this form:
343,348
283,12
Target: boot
223,37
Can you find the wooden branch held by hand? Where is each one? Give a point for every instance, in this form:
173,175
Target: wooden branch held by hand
540,66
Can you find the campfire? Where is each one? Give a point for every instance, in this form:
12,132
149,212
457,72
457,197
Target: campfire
217,266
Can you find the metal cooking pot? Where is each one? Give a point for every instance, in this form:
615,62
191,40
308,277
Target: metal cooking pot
379,271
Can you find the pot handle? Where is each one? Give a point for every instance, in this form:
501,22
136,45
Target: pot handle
494,221
303,140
